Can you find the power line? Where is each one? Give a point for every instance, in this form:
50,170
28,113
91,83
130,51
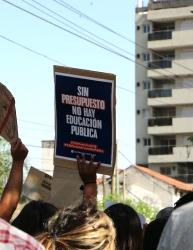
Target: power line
76,26
111,30
36,123
104,47
99,46
37,129
31,50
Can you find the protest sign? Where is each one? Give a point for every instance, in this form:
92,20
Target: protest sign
65,187
85,117
37,185
8,120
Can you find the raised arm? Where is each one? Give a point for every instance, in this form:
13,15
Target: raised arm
12,190
87,172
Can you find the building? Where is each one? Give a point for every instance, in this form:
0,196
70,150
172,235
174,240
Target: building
47,156
143,184
164,87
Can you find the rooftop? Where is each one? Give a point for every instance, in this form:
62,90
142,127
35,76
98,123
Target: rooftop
177,184
164,4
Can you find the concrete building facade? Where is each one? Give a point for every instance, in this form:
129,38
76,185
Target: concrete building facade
143,184
164,87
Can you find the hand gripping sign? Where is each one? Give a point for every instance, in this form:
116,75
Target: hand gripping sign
85,117
8,120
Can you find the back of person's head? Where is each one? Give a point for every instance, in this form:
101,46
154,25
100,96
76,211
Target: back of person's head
81,227
184,200
127,225
153,233
33,216
164,213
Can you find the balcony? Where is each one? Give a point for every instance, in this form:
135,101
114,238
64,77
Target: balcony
181,67
166,40
169,126
165,63
171,154
162,35
159,93
165,97
167,121
164,150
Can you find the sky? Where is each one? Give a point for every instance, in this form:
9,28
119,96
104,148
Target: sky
28,73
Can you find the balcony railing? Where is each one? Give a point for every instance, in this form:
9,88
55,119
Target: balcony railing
162,35
166,121
160,64
164,150
159,93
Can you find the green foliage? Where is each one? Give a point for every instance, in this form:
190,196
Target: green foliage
6,163
190,138
139,206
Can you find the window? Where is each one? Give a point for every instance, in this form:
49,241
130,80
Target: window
146,57
146,28
147,142
146,85
146,113
165,170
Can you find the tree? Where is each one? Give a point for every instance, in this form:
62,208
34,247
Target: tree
6,163
140,206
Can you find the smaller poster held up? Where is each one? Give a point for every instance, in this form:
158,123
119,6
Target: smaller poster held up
37,185
8,119
85,117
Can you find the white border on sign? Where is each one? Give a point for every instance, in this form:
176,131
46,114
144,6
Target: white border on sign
112,116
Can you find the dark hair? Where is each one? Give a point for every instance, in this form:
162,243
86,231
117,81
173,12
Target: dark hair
184,200
33,215
153,233
80,227
127,225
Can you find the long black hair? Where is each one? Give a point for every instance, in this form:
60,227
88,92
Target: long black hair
33,216
127,225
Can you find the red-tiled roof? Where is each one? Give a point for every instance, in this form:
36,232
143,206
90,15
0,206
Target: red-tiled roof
171,181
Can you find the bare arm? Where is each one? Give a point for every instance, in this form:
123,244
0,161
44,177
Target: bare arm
87,173
12,190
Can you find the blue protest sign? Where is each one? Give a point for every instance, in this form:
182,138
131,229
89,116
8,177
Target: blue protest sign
85,115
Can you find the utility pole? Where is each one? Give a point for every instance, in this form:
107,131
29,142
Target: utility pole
124,185
113,183
104,187
117,170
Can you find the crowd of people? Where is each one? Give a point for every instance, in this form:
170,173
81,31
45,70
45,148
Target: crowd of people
82,226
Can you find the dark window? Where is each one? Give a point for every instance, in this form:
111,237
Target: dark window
146,57
165,170
146,28
147,142
146,85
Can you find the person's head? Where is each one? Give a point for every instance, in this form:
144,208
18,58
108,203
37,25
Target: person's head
184,200
153,233
127,225
33,216
164,213
81,227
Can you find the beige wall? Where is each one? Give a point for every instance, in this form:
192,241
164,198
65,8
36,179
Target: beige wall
141,94
180,39
170,14
179,97
182,67
180,154
181,125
